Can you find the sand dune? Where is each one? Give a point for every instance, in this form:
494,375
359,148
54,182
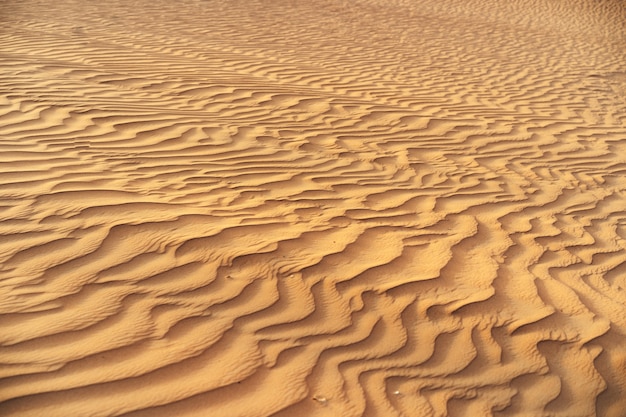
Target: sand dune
321,208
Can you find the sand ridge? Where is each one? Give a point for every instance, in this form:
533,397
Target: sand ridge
321,208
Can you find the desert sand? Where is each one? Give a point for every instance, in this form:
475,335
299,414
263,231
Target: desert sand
313,208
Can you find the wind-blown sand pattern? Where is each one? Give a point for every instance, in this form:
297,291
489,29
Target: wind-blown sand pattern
313,208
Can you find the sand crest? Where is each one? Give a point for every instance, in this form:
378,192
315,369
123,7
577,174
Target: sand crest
313,208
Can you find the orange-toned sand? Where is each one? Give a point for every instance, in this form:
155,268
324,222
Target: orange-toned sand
313,208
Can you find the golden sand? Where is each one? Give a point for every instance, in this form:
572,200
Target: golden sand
313,208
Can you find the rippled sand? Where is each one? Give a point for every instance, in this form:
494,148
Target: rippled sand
313,208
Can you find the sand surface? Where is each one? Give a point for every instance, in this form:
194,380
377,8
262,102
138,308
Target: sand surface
312,208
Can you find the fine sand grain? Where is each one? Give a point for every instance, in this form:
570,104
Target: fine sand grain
312,208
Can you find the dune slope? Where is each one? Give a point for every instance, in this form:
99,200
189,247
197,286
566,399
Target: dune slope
321,208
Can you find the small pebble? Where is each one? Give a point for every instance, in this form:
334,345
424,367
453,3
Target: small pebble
320,399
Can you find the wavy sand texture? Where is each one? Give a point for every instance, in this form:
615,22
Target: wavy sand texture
313,208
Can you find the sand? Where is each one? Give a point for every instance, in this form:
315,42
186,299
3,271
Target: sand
313,208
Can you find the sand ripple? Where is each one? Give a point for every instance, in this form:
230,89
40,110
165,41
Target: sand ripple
321,208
